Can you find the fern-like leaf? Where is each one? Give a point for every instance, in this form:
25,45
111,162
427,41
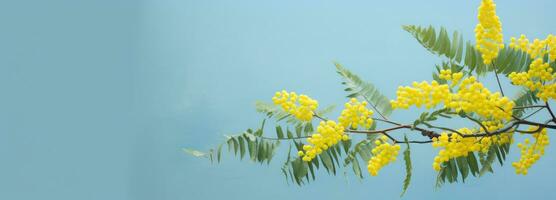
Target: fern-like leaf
195,153
451,48
439,43
524,98
258,148
408,167
358,88
512,60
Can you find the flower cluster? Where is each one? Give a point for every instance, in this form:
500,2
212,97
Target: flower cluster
447,74
538,78
530,153
356,115
384,153
421,94
302,106
471,97
522,43
455,145
536,49
328,133
488,32
551,43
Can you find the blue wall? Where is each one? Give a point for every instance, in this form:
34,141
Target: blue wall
98,97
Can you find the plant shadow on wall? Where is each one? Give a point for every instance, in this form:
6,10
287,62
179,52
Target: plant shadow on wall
454,94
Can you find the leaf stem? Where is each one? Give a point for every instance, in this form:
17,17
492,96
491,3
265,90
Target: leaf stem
497,79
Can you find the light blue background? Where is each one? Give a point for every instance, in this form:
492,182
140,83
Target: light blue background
98,97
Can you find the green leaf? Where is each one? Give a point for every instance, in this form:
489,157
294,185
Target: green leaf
441,177
524,98
276,112
473,165
241,147
332,151
356,168
453,170
298,130
219,152
236,145
364,152
316,162
299,170
364,90
271,147
512,60
287,166
279,132
290,134
251,146
261,152
487,163
498,155
450,48
408,167
328,163
308,129
260,149
449,173
258,133
194,152
463,167
360,149
311,170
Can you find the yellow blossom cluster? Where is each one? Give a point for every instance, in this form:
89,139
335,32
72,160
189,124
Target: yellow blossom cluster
488,32
547,91
522,43
328,133
536,49
300,106
384,153
447,74
530,153
356,115
455,145
551,43
491,125
538,78
421,94
471,97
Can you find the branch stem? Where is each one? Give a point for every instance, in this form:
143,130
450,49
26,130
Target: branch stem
497,79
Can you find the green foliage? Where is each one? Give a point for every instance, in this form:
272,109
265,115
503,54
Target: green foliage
274,111
258,148
439,43
524,98
299,172
460,57
408,167
427,117
194,152
444,66
463,166
511,60
358,88
361,150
